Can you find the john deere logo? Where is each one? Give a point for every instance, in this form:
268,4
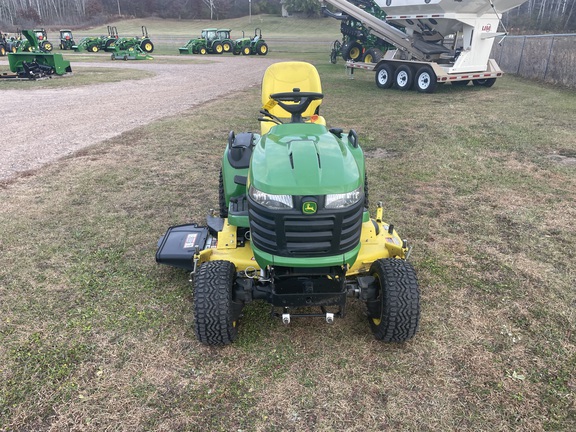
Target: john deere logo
309,207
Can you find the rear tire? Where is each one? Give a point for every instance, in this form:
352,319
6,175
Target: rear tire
488,82
425,80
403,78
215,313
395,313
384,76
262,49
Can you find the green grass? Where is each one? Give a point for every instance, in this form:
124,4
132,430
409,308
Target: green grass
94,335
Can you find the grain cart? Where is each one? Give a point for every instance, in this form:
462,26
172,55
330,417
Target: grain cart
294,228
443,41
251,46
35,63
66,39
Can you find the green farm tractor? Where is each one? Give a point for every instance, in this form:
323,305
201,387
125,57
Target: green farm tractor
66,39
293,227
211,41
42,42
142,43
251,46
98,43
34,63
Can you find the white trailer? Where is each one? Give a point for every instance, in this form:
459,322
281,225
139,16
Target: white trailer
443,41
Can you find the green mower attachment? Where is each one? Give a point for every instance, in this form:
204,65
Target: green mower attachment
37,63
293,227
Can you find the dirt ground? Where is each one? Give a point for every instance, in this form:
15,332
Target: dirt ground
76,117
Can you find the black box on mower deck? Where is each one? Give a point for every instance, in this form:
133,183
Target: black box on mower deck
176,248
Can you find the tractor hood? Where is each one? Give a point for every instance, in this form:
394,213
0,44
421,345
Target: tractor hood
304,159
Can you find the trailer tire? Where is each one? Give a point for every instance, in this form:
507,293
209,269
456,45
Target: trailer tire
425,80
394,314
460,83
384,76
403,78
215,312
488,82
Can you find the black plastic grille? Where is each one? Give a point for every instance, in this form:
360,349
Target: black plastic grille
293,234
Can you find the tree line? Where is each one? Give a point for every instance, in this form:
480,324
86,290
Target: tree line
533,16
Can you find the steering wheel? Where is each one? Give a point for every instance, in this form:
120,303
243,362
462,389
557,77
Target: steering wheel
302,99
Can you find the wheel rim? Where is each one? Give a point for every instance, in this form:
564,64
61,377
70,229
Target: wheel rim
219,49
424,81
263,49
402,79
246,51
148,47
226,47
383,77
354,53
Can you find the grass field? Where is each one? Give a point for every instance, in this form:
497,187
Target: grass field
95,336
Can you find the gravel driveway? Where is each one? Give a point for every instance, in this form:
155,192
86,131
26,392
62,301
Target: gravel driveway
77,117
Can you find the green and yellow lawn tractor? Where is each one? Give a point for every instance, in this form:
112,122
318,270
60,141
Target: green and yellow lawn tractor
142,43
98,43
293,228
251,46
34,63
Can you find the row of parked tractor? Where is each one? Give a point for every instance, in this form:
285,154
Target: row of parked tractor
219,41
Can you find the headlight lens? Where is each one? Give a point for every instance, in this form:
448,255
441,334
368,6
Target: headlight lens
271,201
338,201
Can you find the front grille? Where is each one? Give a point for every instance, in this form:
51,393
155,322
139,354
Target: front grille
290,233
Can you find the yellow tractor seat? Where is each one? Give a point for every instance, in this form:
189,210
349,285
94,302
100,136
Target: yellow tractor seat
285,77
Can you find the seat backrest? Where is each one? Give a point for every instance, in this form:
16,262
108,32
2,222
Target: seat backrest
285,77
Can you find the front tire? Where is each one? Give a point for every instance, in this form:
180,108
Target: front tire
372,55
215,312
395,313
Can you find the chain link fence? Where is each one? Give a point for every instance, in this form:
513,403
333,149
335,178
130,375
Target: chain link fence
547,58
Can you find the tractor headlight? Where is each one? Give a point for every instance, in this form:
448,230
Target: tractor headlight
271,201
338,201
